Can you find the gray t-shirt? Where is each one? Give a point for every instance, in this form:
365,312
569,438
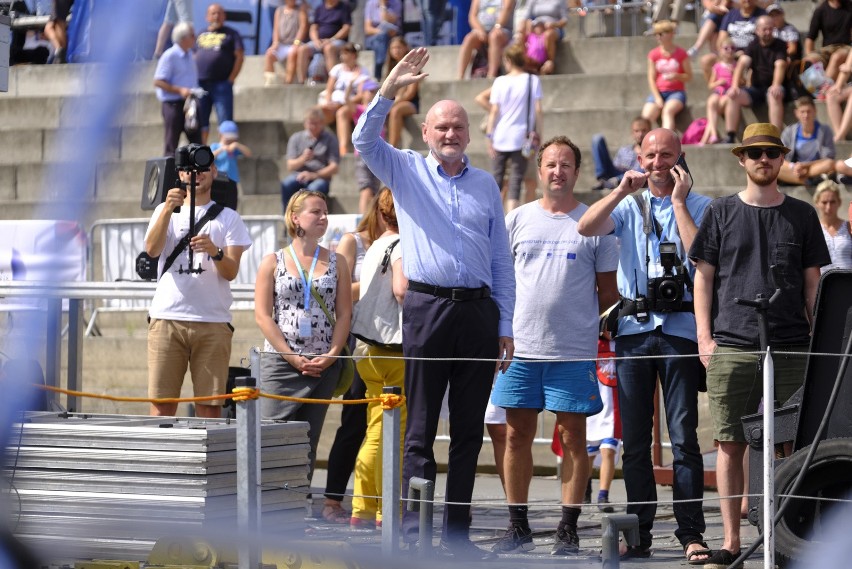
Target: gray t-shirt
326,149
556,299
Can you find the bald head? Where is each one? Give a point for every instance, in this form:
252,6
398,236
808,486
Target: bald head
660,151
446,131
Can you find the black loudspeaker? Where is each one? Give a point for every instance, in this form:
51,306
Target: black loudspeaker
161,176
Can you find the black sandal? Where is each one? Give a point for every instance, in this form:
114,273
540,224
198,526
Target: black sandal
691,554
721,559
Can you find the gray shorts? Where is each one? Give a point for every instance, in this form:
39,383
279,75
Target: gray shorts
365,178
178,11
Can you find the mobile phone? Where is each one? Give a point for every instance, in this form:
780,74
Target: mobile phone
681,161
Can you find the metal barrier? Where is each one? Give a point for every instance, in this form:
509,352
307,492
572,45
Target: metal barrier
121,241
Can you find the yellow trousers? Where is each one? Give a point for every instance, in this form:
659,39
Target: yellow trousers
376,373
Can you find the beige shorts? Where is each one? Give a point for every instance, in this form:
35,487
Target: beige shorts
172,344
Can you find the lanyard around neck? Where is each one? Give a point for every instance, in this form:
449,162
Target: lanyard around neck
306,279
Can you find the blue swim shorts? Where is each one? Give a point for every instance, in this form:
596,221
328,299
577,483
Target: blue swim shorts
568,387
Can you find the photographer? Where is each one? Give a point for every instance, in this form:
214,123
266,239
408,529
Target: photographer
655,319
189,318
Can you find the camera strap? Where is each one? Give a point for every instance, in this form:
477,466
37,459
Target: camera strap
645,209
212,213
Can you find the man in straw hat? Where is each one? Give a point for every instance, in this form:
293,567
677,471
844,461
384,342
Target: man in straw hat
740,238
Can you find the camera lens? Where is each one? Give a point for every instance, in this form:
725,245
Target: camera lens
668,290
202,157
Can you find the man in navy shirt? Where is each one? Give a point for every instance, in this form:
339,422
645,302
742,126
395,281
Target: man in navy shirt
330,24
219,57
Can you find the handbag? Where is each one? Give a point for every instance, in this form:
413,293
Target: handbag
531,143
369,324
347,372
191,112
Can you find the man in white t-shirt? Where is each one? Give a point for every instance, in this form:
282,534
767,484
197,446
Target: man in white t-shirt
190,318
553,263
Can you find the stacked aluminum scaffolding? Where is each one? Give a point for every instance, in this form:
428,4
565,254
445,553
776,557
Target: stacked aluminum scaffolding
109,486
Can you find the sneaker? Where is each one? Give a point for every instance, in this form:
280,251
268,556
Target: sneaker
567,542
692,52
515,540
603,505
463,550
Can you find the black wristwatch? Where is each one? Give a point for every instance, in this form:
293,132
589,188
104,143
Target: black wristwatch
219,255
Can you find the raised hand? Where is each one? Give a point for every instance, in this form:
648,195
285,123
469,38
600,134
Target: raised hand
409,70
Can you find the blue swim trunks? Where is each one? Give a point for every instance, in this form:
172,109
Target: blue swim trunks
568,387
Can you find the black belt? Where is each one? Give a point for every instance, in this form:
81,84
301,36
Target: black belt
628,308
455,294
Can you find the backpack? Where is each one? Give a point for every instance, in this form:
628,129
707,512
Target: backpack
694,132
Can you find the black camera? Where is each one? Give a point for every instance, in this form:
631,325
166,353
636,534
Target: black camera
195,157
665,293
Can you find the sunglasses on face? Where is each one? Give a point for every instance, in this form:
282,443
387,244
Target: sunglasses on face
756,153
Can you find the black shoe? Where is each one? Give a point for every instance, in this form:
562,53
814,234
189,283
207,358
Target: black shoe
464,550
637,552
603,505
515,540
567,542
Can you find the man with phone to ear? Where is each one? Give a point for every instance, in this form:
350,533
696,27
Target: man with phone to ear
655,318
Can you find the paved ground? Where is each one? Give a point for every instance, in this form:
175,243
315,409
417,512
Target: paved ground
490,519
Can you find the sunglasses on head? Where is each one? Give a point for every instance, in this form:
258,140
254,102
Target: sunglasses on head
756,153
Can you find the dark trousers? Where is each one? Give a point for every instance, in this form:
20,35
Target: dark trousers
435,327
679,379
173,121
347,441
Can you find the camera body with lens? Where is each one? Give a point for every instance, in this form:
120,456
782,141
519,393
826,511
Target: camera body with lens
665,293
193,157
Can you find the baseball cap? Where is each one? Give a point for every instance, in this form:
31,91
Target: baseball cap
229,129
774,8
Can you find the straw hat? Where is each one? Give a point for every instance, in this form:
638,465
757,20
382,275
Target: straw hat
761,135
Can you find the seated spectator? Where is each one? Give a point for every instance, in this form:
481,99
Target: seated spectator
832,19
347,72
490,29
228,149
551,17
609,171
811,147
786,32
382,22
835,230
407,100
836,96
714,11
668,72
56,29
720,82
766,56
328,32
347,115
312,157
739,24
290,29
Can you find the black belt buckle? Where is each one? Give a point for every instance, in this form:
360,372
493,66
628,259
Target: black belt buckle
460,294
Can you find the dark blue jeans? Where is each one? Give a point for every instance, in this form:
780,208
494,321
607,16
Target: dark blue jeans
291,185
604,168
220,94
378,44
432,14
679,379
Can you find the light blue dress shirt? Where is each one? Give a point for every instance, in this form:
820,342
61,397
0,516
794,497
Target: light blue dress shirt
452,229
176,67
633,272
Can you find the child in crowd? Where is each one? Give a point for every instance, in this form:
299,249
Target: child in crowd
228,149
720,81
347,115
603,431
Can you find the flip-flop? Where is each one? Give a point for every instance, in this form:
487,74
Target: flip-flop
703,551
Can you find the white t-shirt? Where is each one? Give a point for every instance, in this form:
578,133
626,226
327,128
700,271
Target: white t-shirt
556,299
510,94
196,297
